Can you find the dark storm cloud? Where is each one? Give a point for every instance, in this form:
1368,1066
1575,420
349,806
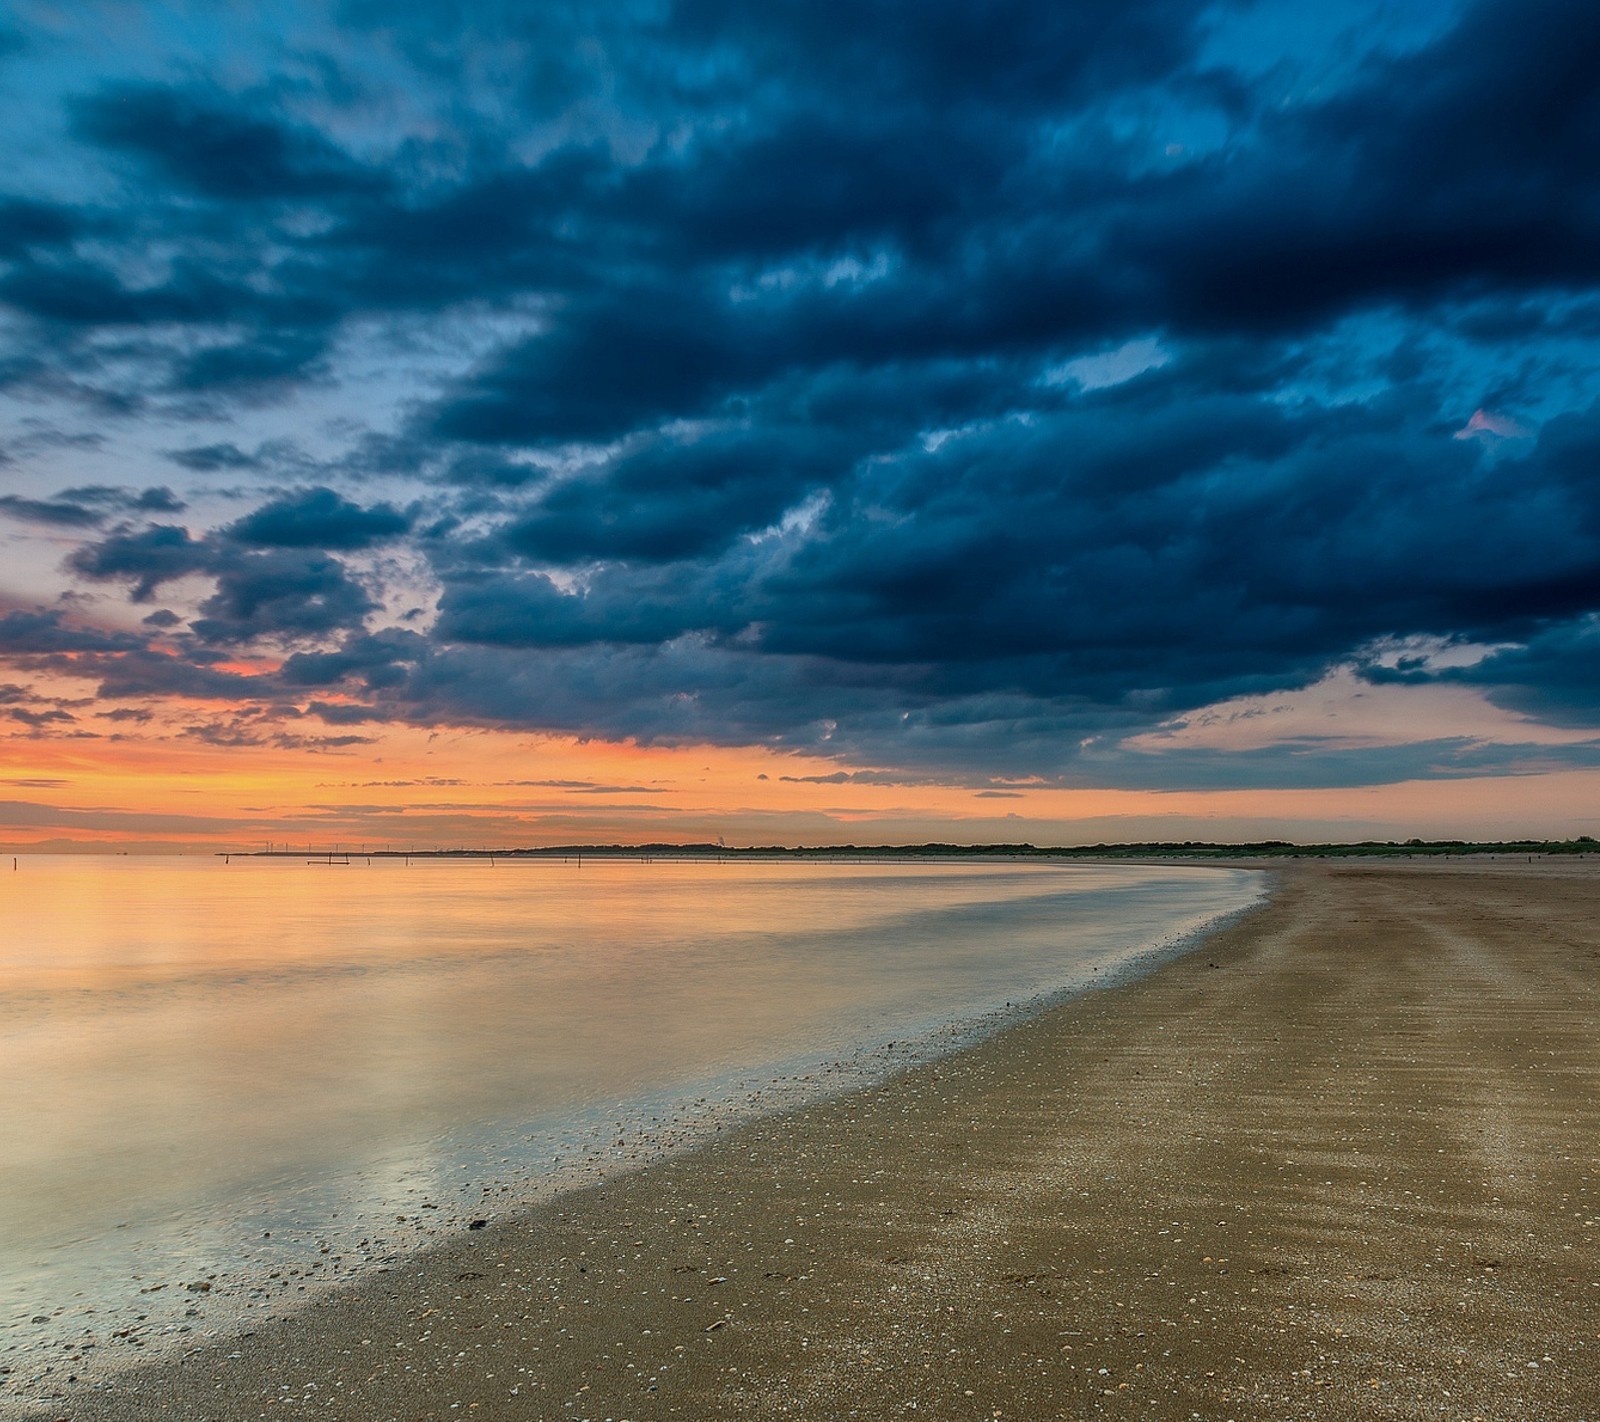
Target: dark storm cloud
272,569
285,591
148,558
213,147
266,356
1553,676
785,395
293,594
378,660
609,365
670,499
86,293
1455,169
318,518
1151,549
530,611
1459,170
26,226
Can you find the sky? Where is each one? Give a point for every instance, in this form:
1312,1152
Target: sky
808,422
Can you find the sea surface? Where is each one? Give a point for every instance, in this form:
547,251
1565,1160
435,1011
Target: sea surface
261,1075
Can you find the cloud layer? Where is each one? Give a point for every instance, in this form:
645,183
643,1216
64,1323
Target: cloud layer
949,389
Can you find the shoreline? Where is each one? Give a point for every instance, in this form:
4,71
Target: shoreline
1265,1155
161,1292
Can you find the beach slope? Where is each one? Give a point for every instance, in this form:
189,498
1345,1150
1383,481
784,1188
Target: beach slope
1342,1161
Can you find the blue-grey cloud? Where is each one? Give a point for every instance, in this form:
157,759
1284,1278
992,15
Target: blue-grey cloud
212,146
281,594
27,226
318,518
157,498
772,375
28,634
270,591
212,458
63,513
147,558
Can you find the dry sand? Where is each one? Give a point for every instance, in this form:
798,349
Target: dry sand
1343,1161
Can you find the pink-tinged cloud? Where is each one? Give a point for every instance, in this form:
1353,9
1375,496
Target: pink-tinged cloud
1485,422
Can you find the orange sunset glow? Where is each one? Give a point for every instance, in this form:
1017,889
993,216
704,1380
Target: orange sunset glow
475,788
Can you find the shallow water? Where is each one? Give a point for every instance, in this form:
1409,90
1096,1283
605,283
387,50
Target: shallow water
198,1054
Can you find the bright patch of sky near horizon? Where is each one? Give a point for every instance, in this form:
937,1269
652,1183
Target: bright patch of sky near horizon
1020,421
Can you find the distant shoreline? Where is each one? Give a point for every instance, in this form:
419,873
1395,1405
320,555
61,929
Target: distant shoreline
1143,851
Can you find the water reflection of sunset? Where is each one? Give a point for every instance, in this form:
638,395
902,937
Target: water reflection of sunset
213,1035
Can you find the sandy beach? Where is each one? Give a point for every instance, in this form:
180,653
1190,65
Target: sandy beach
1342,1161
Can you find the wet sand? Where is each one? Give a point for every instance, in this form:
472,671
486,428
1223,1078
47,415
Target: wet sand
1341,1161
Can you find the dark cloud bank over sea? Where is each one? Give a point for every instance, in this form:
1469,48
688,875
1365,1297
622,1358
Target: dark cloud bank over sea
956,389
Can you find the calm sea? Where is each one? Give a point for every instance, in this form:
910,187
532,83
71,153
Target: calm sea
213,1070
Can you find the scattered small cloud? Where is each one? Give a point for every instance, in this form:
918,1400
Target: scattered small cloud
56,512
